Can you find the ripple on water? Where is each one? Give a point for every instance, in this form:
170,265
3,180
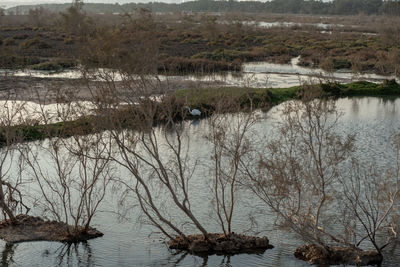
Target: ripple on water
373,119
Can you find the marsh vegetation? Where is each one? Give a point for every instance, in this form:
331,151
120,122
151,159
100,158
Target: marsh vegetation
119,140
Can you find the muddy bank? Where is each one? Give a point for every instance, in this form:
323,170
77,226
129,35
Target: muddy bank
220,244
51,90
338,256
40,89
207,100
29,228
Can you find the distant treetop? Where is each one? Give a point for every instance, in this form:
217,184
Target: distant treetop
335,7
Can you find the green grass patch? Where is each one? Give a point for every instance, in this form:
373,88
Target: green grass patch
280,95
362,88
209,99
262,97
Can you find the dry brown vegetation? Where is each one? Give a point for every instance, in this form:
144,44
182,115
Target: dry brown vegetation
141,125
209,43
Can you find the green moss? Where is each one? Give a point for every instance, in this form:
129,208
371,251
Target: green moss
362,88
210,96
282,94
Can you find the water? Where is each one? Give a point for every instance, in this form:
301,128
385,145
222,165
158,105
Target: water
275,24
322,27
20,112
285,24
254,74
125,243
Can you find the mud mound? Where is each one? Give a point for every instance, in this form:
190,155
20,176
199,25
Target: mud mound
337,256
29,228
220,244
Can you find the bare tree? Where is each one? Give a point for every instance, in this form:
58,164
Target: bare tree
158,159
372,198
74,20
309,177
38,16
11,197
71,174
148,124
232,139
298,174
2,14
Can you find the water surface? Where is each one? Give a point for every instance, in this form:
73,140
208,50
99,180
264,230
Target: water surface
126,243
254,74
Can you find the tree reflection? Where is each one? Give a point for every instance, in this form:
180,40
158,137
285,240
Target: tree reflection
78,254
8,254
226,261
176,257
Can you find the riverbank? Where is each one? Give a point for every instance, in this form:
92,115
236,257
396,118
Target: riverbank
207,100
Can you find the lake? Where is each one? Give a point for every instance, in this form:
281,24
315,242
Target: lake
126,243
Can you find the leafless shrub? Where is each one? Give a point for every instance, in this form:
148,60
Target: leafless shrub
74,20
372,199
232,139
11,196
299,173
308,176
71,174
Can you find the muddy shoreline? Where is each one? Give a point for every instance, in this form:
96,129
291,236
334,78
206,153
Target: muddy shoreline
338,256
30,228
51,90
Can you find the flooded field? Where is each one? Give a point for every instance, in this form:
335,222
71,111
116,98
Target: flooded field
254,74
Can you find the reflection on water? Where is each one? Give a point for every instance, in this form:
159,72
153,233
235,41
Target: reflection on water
7,255
70,254
125,243
20,112
276,24
254,74
58,254
195,122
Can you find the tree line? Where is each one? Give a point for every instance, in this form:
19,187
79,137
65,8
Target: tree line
336,7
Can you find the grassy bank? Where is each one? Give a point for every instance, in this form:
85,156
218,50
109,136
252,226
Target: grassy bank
207,100
265,97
